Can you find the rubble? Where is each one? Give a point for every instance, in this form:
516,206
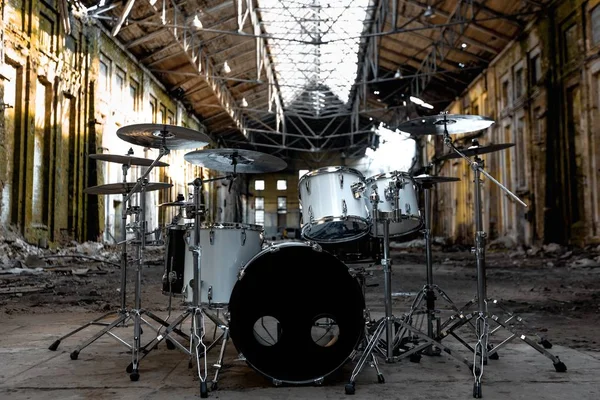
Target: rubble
503,243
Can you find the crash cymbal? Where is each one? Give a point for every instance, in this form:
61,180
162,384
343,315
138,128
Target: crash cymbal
246,161
124,188
431,179
475,150
454,123
154,135
130,160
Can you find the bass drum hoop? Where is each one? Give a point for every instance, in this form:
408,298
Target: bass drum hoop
289,361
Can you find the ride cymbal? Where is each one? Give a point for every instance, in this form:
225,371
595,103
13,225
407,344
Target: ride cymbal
244,161
130,160
124,188
431,179
438,124
475,150
158,135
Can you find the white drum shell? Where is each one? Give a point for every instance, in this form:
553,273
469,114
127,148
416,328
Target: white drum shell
326,194
409,204
225,249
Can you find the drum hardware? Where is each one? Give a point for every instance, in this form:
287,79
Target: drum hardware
124,314
389,347
429,290
482,349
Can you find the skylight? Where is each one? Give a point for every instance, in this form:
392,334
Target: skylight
314,45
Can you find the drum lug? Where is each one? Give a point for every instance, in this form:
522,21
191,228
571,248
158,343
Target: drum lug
210,294
344,209
277,382
357,189
211,235
307,184
341,178
315,246
243,237
319,381
273,249
311,217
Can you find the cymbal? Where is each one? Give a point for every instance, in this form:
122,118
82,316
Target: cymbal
124,188
117,158
431,179
475,150
454,123
178,204
154,135
248,161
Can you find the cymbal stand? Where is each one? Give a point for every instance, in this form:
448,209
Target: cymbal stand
482,351
428,292
122,313
197,349
388,348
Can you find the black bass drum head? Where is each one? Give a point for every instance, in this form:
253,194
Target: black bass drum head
296,313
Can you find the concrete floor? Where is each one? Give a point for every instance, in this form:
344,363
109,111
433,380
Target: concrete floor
28,370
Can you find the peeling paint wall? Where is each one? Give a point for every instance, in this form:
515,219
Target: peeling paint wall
543,93
58,106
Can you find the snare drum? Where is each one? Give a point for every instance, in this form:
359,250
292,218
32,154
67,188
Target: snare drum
402,210
331,212
226,247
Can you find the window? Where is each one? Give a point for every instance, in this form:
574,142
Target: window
133,95
302,172
152,109
596,25
46,35
521,162
71,51
162,114
170,118
281,184
281,205
570,47
259,185
259,210
119,83
519,82
466,105
505,92
475,107
104,73
535,66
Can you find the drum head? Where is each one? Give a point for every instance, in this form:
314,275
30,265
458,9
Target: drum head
336,231
296,313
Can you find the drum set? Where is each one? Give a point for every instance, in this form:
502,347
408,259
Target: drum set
294,311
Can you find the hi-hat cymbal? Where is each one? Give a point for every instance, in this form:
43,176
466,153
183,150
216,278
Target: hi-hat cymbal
246,161
130,160
124,188
426,179
475,150
155,135
454,123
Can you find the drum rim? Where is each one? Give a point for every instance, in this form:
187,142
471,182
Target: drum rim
368,221
390,174
273,247
328,170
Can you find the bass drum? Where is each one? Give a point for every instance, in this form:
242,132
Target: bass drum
296,313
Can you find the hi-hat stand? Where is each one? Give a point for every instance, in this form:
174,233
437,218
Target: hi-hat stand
482,350
122,314
430,289
395,328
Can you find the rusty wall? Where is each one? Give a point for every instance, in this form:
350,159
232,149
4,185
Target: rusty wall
59,104
542,91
